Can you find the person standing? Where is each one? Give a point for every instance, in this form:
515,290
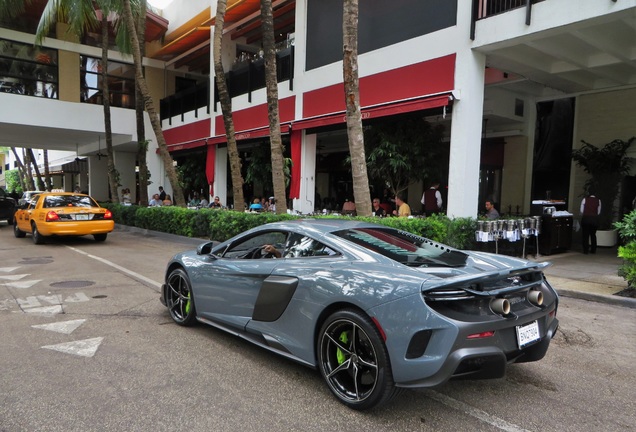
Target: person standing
162,193
590,211
432,200
491,211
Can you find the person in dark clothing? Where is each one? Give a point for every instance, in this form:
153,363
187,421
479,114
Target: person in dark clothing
377,209
162,193
590,211
432,200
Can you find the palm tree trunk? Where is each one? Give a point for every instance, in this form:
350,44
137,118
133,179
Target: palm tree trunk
47,172
38,176
28,177
361,191
21,170
271,81
142,144
113,175
171,172
226,108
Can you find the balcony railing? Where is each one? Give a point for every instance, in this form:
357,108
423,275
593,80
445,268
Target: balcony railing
487,8
244,78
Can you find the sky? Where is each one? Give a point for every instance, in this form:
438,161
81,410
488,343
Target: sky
160,3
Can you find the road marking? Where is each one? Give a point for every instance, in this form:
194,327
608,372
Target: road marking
474,412
22,284
8,269
84,348
66,327
14,277
49,310
118,267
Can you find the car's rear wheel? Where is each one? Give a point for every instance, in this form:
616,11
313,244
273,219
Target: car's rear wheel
353,360
17,231
179,298
100,237
35,234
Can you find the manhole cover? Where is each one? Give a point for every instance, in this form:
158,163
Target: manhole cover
72,284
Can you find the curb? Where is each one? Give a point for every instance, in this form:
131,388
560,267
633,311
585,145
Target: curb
600,298
193,241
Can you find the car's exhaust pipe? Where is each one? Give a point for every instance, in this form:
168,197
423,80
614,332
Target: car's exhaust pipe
535,297
500,306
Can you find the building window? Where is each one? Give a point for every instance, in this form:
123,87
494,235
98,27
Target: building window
121,82
28,70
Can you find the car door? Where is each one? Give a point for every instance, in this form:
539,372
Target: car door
23,216
226,288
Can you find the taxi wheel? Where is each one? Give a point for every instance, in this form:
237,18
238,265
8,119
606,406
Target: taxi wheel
100,237
17,231
35,234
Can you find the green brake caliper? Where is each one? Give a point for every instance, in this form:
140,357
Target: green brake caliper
187,308
340,355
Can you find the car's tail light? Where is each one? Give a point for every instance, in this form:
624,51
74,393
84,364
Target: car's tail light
108,214
481,335
52,217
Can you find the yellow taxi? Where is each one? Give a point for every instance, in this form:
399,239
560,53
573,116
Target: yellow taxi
62,214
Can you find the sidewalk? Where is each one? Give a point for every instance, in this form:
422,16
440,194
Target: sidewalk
590,277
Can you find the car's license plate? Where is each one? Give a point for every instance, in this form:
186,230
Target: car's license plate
526,334
81,217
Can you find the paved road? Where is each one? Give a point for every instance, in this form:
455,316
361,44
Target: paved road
85,345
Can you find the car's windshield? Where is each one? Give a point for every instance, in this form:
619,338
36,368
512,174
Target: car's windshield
69,201
404,247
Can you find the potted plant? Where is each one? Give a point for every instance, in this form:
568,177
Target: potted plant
606,166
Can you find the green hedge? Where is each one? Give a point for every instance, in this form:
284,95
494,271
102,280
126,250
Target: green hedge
221,225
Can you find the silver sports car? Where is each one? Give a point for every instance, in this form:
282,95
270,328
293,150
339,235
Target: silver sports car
375,309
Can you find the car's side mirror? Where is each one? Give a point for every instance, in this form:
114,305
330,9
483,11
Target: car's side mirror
205,248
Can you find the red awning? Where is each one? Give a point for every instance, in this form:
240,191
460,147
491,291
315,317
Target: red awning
250,134
427,102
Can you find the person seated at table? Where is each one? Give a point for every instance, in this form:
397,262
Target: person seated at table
167,201
216,203
349,207
256,205
155,201
195,201
377,208
403,210
204,202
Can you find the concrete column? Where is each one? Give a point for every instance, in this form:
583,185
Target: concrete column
466,130
97,178
68,185
306,202
220,174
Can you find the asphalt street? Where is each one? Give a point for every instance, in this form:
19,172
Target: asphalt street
85,345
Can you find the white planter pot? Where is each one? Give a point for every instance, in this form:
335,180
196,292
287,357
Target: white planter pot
606,238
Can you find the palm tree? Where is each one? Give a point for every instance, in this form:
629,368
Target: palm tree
81,16
361,191
24,184
271,81
142,143
48,181
171,172
226,108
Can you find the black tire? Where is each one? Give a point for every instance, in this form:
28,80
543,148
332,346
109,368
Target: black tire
179,298
354,362
100,237
17,231
38,238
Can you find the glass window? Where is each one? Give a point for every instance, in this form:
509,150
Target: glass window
121,82
300,246
252,248
28,70
404,247
69,201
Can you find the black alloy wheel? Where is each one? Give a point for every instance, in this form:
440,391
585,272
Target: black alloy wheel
179,299
354,362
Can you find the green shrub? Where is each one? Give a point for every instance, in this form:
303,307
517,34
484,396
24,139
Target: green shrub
627,231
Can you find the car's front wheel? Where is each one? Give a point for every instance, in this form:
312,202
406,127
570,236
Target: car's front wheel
37,237
179,298
353,360
17,231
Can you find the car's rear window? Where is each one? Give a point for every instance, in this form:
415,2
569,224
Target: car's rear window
404,247
69,201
